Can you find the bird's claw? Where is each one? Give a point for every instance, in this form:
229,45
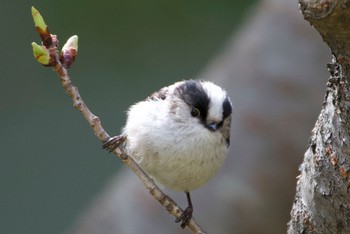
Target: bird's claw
114,142
185,217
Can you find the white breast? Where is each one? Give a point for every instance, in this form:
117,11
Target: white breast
179,155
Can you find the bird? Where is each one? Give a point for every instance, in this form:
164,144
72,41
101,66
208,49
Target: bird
179,135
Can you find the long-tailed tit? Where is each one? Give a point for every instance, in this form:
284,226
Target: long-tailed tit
179,135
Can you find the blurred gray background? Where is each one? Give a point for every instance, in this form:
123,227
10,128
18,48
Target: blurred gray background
51,166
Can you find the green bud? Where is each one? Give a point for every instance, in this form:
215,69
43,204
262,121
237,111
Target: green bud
41,54
38,20
41,27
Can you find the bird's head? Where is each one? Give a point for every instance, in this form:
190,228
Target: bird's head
203,103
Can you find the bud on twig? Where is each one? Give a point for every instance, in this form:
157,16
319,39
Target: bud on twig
41,54
69,51
41,27
47,54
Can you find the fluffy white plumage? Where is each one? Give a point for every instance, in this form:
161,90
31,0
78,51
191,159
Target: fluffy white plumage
177,149
179,136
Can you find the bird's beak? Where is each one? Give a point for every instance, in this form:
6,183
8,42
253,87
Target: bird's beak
212,126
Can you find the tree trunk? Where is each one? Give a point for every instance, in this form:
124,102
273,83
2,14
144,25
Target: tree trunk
322,201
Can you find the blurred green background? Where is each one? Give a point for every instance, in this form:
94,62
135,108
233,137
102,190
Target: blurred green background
51,163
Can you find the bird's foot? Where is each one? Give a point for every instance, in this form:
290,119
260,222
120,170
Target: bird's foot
185,217
114,142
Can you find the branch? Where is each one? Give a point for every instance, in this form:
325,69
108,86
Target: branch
48,55
322,198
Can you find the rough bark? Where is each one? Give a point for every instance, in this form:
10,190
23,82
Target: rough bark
322,201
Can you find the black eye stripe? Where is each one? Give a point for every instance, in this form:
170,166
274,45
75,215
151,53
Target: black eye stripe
227,108
192,92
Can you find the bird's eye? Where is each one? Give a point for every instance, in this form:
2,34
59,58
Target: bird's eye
195,112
